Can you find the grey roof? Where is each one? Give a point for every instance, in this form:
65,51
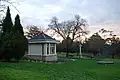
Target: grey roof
42,37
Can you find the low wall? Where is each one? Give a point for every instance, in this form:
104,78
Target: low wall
51,58
42,58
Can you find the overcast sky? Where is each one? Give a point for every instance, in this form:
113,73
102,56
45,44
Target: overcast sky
97,12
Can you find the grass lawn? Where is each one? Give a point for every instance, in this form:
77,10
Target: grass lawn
77,70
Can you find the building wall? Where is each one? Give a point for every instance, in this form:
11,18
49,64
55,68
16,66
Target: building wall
34,49
35,52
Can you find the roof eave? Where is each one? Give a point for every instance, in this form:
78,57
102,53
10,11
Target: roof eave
30,42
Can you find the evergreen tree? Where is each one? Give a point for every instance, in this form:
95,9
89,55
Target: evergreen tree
19,46
6,37
17,26
7,22
20,41
14,43
7,46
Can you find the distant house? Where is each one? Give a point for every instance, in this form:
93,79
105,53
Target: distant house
42,47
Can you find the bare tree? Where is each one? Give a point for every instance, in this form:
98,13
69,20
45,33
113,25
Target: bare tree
3,6
111,37
5,3
69,30
73,29
33,30
106,33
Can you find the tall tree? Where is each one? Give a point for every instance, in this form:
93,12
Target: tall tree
6,36
17,26
19,45
73,29
14,43
7,46
95,43
69,30
7,22
20,41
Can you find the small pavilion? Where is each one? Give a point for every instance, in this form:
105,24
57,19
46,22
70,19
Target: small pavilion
42,47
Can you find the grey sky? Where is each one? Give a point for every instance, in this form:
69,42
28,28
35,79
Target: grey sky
38,12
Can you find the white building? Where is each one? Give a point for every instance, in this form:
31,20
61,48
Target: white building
42,47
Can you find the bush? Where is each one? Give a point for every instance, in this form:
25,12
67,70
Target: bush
13,47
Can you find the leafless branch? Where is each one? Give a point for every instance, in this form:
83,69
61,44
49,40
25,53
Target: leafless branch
69,28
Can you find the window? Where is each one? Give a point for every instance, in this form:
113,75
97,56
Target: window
50,48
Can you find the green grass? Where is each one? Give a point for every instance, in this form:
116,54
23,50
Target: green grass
77,70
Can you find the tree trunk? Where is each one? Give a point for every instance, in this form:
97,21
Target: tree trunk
67,54
113,55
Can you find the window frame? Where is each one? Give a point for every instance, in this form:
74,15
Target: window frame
50,48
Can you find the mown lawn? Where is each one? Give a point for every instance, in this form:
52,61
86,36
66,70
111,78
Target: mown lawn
77,70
